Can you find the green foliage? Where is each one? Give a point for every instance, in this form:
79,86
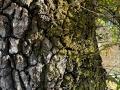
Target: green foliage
116,79
107,31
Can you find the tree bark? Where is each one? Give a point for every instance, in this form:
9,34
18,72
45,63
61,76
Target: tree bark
49,45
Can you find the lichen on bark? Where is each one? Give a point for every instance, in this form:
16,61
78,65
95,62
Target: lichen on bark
49,45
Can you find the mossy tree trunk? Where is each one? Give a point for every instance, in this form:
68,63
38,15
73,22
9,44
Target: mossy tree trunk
49,45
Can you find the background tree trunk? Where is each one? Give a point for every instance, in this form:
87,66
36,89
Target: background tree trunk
49,45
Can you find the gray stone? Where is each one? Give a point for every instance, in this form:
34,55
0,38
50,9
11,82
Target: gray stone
49,57
2,44
35,72
62,65
55,50
20,22
10,9
47,44
17,80
26,2
0,55
5,71
46,47
13,45
4,61
20,62
26,48
25,80
2,27
33,59
6,83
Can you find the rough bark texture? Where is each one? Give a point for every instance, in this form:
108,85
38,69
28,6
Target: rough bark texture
49,45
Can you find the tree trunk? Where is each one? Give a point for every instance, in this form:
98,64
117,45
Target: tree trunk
49,45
